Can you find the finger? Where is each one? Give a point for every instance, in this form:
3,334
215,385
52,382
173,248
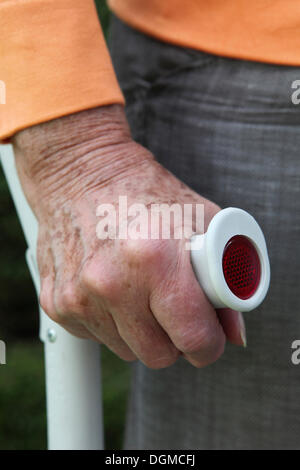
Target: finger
102,326
184,312
81,333
47,303
233,325
128,305
74,312
140,330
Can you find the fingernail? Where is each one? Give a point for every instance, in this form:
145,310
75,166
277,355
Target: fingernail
242,330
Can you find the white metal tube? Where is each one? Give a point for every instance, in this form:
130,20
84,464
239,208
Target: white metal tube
73,369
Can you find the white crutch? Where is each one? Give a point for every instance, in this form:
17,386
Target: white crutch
72,365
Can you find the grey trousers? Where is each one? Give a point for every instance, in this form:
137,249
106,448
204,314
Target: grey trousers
228,129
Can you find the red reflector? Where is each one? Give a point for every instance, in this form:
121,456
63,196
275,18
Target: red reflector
241,267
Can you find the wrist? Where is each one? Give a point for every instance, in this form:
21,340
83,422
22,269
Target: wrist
67,156
103,124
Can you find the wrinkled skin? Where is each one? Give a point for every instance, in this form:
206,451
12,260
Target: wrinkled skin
139,297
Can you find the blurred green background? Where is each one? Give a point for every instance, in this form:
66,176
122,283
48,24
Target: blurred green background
22,389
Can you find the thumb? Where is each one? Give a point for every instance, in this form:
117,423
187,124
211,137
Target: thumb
233,325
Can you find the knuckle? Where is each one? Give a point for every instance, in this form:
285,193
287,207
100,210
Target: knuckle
67,301
159,361
103,283
127,356
47,305
140,252
208,357
191,341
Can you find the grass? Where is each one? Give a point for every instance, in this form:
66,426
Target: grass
22,398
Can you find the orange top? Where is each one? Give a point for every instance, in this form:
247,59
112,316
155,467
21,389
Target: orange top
54,61
261,30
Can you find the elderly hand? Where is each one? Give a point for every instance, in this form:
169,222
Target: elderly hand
139,297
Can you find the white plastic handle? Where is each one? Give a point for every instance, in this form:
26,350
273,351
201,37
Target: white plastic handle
207,258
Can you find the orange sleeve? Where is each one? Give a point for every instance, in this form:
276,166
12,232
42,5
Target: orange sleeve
53,62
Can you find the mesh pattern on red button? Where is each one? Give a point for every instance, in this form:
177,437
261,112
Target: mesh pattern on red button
241,267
